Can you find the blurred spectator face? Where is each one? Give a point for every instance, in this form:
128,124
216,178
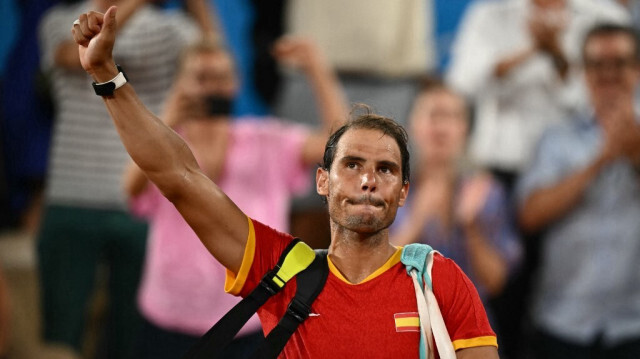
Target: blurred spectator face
552,13
611,69
439,125
210,74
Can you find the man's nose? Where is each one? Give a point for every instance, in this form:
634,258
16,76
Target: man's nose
368,181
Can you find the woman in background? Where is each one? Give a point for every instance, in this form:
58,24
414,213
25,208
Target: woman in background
458,210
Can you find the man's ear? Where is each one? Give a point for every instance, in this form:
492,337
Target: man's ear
322,182
404,192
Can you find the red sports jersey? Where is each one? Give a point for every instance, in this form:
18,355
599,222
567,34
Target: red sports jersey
377,318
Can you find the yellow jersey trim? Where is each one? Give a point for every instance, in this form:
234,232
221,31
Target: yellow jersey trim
475,342
393,260
233,283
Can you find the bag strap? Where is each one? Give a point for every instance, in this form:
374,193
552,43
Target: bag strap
295,258
440,333
310,283
418,258
426,335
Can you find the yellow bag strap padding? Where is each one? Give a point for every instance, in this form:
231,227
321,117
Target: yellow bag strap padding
298,258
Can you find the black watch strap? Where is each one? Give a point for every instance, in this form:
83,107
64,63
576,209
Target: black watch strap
107,88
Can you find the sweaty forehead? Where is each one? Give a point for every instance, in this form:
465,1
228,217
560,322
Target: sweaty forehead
369,144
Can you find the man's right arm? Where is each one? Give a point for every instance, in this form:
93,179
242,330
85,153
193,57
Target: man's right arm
163,156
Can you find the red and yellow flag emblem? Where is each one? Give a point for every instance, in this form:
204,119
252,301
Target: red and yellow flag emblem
407,322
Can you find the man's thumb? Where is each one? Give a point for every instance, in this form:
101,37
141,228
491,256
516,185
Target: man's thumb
109,23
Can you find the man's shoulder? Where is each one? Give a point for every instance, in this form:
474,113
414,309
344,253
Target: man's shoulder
443,265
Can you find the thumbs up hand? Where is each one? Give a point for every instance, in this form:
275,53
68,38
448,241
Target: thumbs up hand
94,33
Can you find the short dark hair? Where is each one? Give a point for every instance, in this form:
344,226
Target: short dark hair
604,29
370,121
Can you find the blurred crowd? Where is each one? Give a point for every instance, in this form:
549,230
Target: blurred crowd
523,116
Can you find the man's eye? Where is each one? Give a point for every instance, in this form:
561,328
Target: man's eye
352,165
385,170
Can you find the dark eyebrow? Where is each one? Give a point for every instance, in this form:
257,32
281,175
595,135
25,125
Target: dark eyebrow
351,159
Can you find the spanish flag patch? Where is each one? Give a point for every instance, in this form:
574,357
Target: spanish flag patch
407,322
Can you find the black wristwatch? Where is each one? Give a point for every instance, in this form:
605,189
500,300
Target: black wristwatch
107,88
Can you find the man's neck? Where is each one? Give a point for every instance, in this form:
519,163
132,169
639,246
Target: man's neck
357,256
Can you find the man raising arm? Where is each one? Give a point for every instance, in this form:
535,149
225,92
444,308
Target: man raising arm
364,178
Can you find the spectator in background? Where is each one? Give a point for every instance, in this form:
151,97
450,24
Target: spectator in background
583,191
85,220
459,211
259,162
514,60
379,49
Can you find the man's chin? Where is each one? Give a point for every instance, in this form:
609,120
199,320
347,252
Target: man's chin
365,224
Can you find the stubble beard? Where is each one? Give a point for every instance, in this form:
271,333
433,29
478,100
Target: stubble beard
367,224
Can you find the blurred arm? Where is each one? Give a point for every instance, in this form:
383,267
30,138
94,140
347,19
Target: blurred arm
546,39
507,64
326,87
551,203
621,140
487,262
489,267
205,17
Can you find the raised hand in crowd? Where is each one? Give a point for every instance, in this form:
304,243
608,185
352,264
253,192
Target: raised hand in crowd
546,27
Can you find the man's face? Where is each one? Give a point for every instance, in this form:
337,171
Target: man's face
611,70
364,185
210,74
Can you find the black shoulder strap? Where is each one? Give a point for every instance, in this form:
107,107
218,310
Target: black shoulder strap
212,343
310,283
